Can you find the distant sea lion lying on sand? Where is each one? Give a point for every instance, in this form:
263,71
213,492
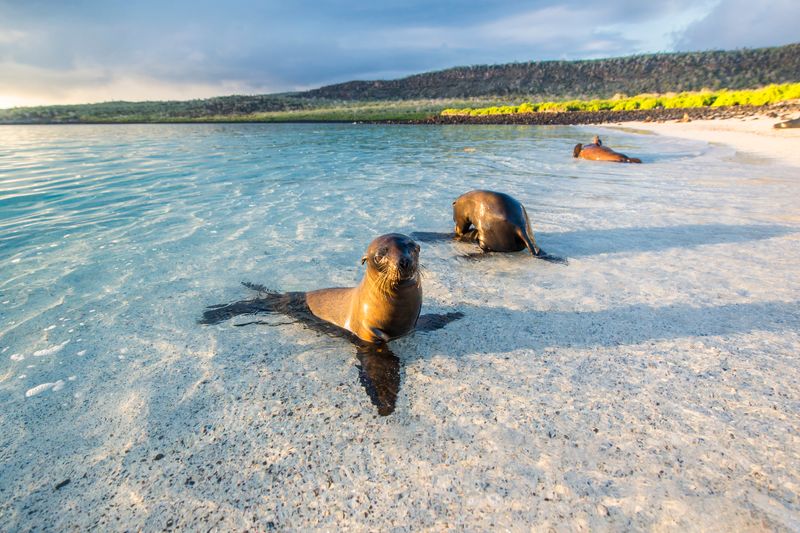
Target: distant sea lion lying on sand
794,123
498,222
597,152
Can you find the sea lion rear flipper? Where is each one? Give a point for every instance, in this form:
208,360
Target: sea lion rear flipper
526,234
577,150
632,159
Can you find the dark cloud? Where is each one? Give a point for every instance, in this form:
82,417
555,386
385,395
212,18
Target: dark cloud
109,48
744,24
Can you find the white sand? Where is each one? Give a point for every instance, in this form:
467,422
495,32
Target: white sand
752,135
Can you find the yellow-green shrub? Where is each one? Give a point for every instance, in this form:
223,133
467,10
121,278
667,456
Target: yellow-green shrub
770,94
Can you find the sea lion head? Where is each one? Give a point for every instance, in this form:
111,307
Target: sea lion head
393,258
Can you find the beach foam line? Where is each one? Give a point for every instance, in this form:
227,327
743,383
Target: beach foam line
51,350
38,389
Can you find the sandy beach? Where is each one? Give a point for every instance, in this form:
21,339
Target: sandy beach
749,135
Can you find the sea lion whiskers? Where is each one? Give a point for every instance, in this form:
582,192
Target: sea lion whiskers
390,278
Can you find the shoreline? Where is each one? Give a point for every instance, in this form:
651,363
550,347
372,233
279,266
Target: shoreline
746,129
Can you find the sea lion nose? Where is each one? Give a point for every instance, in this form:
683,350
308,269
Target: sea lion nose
405,263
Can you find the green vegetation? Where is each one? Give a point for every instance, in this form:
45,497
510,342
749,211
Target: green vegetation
297,110
558,85
771,94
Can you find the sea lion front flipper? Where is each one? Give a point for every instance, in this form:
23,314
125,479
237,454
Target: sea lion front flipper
379,373
544,256
434,321
215,314
468,236
380,335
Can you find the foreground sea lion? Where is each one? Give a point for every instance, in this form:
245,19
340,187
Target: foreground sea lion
499,222
387,302
597,152
385,305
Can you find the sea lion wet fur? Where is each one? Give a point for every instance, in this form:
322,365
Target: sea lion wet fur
387,302
498,222
597,152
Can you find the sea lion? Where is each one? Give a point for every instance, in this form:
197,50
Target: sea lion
794,123
385,305
597,152
387,302
499,222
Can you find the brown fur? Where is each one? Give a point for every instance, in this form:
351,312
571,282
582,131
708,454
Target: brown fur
386,303
500,222
597,152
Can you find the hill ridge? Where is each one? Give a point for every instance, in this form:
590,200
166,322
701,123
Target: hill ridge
430,92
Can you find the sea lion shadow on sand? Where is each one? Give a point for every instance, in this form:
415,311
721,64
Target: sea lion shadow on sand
435,236
378,369
626,325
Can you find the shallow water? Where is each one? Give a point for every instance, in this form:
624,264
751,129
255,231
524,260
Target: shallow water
113,240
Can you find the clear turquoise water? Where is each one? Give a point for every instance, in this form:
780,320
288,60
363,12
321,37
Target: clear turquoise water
114,238
107,230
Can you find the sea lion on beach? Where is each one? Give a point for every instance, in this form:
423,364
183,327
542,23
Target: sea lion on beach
387,302
499,222
597,152
794,123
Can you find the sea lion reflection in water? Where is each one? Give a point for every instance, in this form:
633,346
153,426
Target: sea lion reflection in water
385,305
597,152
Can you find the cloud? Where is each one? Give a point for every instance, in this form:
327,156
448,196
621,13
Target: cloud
735,24
90,50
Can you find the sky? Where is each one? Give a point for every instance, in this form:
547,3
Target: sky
79,51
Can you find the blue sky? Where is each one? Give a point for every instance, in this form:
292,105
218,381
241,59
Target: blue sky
97,50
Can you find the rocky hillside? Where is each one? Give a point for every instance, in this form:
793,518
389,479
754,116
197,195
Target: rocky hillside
600,78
